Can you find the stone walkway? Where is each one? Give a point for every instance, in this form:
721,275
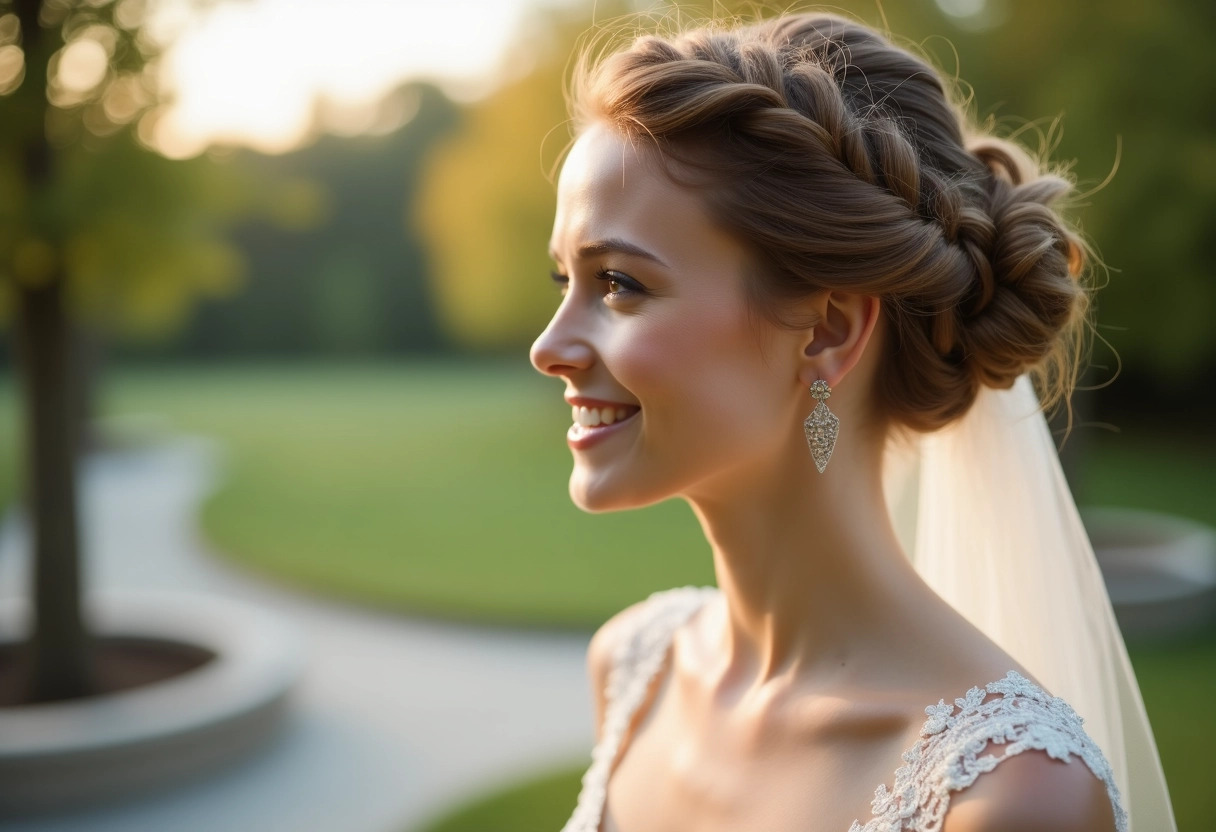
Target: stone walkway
396,718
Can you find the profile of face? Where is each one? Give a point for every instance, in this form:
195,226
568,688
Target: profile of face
653,318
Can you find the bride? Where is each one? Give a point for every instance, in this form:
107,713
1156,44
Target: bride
802,294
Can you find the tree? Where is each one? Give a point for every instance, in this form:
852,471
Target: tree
92,226
485,205
355,284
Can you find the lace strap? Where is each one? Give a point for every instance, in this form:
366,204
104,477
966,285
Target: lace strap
638,656
946,759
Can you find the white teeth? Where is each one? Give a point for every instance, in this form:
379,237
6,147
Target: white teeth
590,417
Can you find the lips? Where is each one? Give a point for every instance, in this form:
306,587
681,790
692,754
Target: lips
581,436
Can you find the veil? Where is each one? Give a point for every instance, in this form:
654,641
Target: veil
984,511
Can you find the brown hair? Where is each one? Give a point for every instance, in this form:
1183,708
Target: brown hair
840,161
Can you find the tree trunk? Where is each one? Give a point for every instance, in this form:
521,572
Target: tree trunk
60,647
88,357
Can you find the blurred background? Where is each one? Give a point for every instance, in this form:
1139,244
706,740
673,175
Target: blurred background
266,268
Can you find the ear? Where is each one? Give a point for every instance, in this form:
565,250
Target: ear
835,344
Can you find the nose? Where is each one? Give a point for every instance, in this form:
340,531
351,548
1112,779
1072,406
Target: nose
562,348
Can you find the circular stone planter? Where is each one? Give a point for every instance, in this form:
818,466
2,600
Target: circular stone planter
1160,570
76,752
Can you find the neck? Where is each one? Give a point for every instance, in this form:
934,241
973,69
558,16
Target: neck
814,578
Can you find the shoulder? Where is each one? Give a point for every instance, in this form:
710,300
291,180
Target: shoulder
1021,761
604,648
606,642
1033,791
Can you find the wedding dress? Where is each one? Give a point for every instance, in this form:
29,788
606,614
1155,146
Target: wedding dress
944,760
987,519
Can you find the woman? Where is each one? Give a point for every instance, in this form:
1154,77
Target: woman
749,222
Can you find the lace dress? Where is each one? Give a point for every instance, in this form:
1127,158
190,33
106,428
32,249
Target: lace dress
944,760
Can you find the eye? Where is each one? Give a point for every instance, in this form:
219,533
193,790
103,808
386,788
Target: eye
627,284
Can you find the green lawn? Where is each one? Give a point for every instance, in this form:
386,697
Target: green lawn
1178,683
539,805
441,488
438,488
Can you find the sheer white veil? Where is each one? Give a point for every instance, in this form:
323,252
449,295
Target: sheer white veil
984,511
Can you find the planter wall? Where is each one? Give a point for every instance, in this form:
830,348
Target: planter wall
1160,570
78,752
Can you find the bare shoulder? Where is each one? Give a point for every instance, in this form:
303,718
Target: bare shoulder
1032,791
600,653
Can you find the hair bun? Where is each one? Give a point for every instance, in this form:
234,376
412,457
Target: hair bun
1027,292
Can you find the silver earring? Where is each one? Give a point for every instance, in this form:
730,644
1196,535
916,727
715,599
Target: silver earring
821,426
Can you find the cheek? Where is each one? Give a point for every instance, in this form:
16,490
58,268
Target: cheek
702,377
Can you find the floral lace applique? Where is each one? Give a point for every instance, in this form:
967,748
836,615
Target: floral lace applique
946,758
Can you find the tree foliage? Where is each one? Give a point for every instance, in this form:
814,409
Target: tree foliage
1081,80
355,283
137,237
485,204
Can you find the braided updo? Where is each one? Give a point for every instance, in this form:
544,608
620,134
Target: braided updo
838,159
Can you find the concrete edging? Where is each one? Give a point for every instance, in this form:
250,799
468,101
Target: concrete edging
1160,570
69,754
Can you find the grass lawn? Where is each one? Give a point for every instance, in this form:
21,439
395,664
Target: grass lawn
436,488
544,803
441,488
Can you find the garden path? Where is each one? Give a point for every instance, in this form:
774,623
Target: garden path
395,719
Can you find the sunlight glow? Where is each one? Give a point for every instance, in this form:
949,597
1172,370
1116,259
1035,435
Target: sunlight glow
264,72
82,65
12,68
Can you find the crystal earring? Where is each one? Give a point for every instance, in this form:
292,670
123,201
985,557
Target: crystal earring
821,426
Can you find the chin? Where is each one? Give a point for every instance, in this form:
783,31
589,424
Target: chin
599,494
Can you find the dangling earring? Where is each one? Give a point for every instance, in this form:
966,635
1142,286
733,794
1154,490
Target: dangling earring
821,426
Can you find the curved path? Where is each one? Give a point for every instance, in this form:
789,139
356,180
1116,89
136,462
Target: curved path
395,718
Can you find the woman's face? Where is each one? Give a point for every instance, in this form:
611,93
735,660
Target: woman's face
653,316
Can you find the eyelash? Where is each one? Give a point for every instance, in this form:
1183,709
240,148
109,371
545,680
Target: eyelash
602,274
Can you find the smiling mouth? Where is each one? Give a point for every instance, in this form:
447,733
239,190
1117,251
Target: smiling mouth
590,418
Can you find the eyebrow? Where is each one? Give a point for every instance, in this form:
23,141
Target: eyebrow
613,244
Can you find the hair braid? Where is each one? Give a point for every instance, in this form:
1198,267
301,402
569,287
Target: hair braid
837,157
